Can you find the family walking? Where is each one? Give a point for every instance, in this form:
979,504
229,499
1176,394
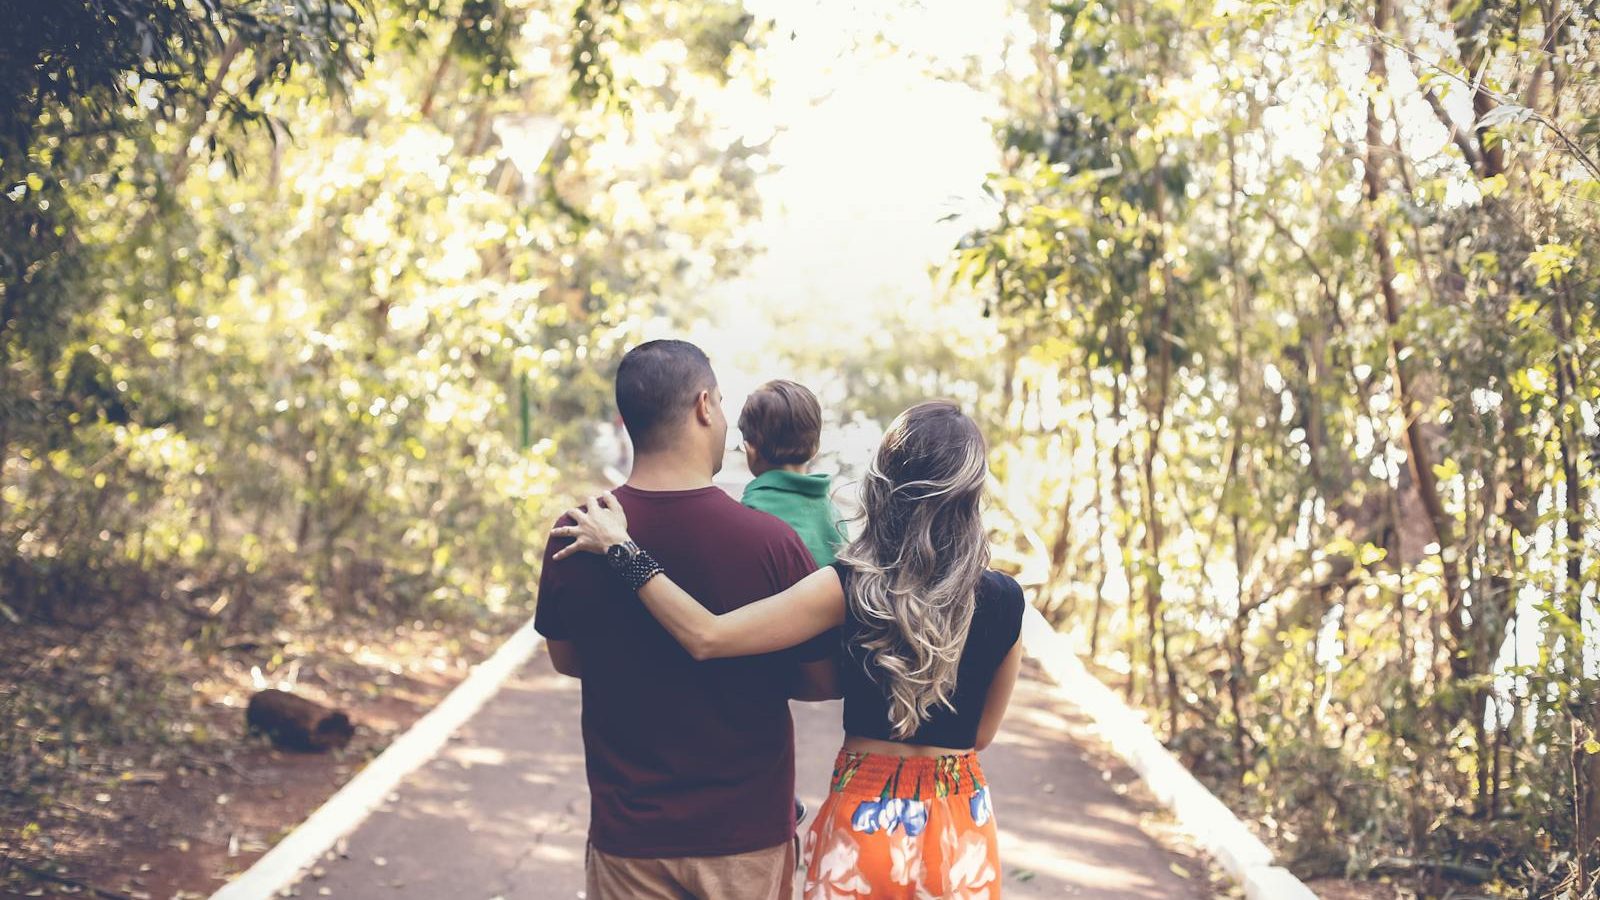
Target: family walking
692,620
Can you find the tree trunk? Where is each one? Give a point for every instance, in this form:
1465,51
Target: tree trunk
1156,419
1154,615
1471,16
179,170
1586,724
1234,643
1119,497
1103,568
1059,591
1415,443
430,93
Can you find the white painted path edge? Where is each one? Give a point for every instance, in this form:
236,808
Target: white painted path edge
1207,820
351,804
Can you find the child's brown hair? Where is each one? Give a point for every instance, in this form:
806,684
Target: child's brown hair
783,421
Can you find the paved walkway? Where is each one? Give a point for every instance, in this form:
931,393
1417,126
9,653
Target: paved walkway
502,812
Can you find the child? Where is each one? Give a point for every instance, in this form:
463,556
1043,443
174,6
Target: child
782,427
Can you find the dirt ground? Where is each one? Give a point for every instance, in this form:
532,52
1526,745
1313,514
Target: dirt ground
1342,889
152,787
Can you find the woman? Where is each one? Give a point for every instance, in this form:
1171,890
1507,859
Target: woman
931,653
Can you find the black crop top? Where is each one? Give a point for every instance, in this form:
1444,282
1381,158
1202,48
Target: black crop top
996,623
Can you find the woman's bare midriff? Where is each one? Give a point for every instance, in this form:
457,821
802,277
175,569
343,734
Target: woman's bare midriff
890,748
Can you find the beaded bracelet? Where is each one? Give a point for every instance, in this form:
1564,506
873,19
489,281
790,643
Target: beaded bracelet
637,569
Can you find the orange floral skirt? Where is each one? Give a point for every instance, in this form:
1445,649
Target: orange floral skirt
904,828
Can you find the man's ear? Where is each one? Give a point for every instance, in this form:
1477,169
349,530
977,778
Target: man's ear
703,408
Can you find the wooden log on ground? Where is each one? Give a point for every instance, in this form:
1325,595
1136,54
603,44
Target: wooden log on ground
295,723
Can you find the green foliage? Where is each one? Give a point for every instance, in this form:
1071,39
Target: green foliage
1339,428
327,294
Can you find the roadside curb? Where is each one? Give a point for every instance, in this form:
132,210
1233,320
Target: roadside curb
1207,820
283,865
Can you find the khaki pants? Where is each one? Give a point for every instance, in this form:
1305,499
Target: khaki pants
760,875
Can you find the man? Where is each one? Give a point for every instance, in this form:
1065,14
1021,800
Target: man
691,765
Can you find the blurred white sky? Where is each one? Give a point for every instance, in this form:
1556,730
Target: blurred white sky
872,149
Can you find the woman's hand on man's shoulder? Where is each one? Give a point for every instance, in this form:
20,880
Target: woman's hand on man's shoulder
593,526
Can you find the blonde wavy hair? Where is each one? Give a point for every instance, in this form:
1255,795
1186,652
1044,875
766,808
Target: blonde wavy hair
916,564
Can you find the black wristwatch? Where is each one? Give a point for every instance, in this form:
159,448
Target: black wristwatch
631,562
622,554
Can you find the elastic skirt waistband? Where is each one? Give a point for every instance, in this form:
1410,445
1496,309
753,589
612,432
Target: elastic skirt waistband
880,775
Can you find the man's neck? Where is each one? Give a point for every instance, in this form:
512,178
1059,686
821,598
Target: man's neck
668,472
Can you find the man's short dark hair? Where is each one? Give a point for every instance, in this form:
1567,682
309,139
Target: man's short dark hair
657,383
783,421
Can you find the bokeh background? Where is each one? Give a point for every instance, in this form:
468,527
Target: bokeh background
1280,318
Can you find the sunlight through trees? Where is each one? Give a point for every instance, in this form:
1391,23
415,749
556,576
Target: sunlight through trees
1301,307
1282,317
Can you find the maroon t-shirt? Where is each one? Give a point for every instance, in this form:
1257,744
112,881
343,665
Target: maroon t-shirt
685,758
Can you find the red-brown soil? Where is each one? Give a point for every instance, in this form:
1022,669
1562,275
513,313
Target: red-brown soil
129,771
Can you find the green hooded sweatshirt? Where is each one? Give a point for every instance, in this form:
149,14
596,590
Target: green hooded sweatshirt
802,501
